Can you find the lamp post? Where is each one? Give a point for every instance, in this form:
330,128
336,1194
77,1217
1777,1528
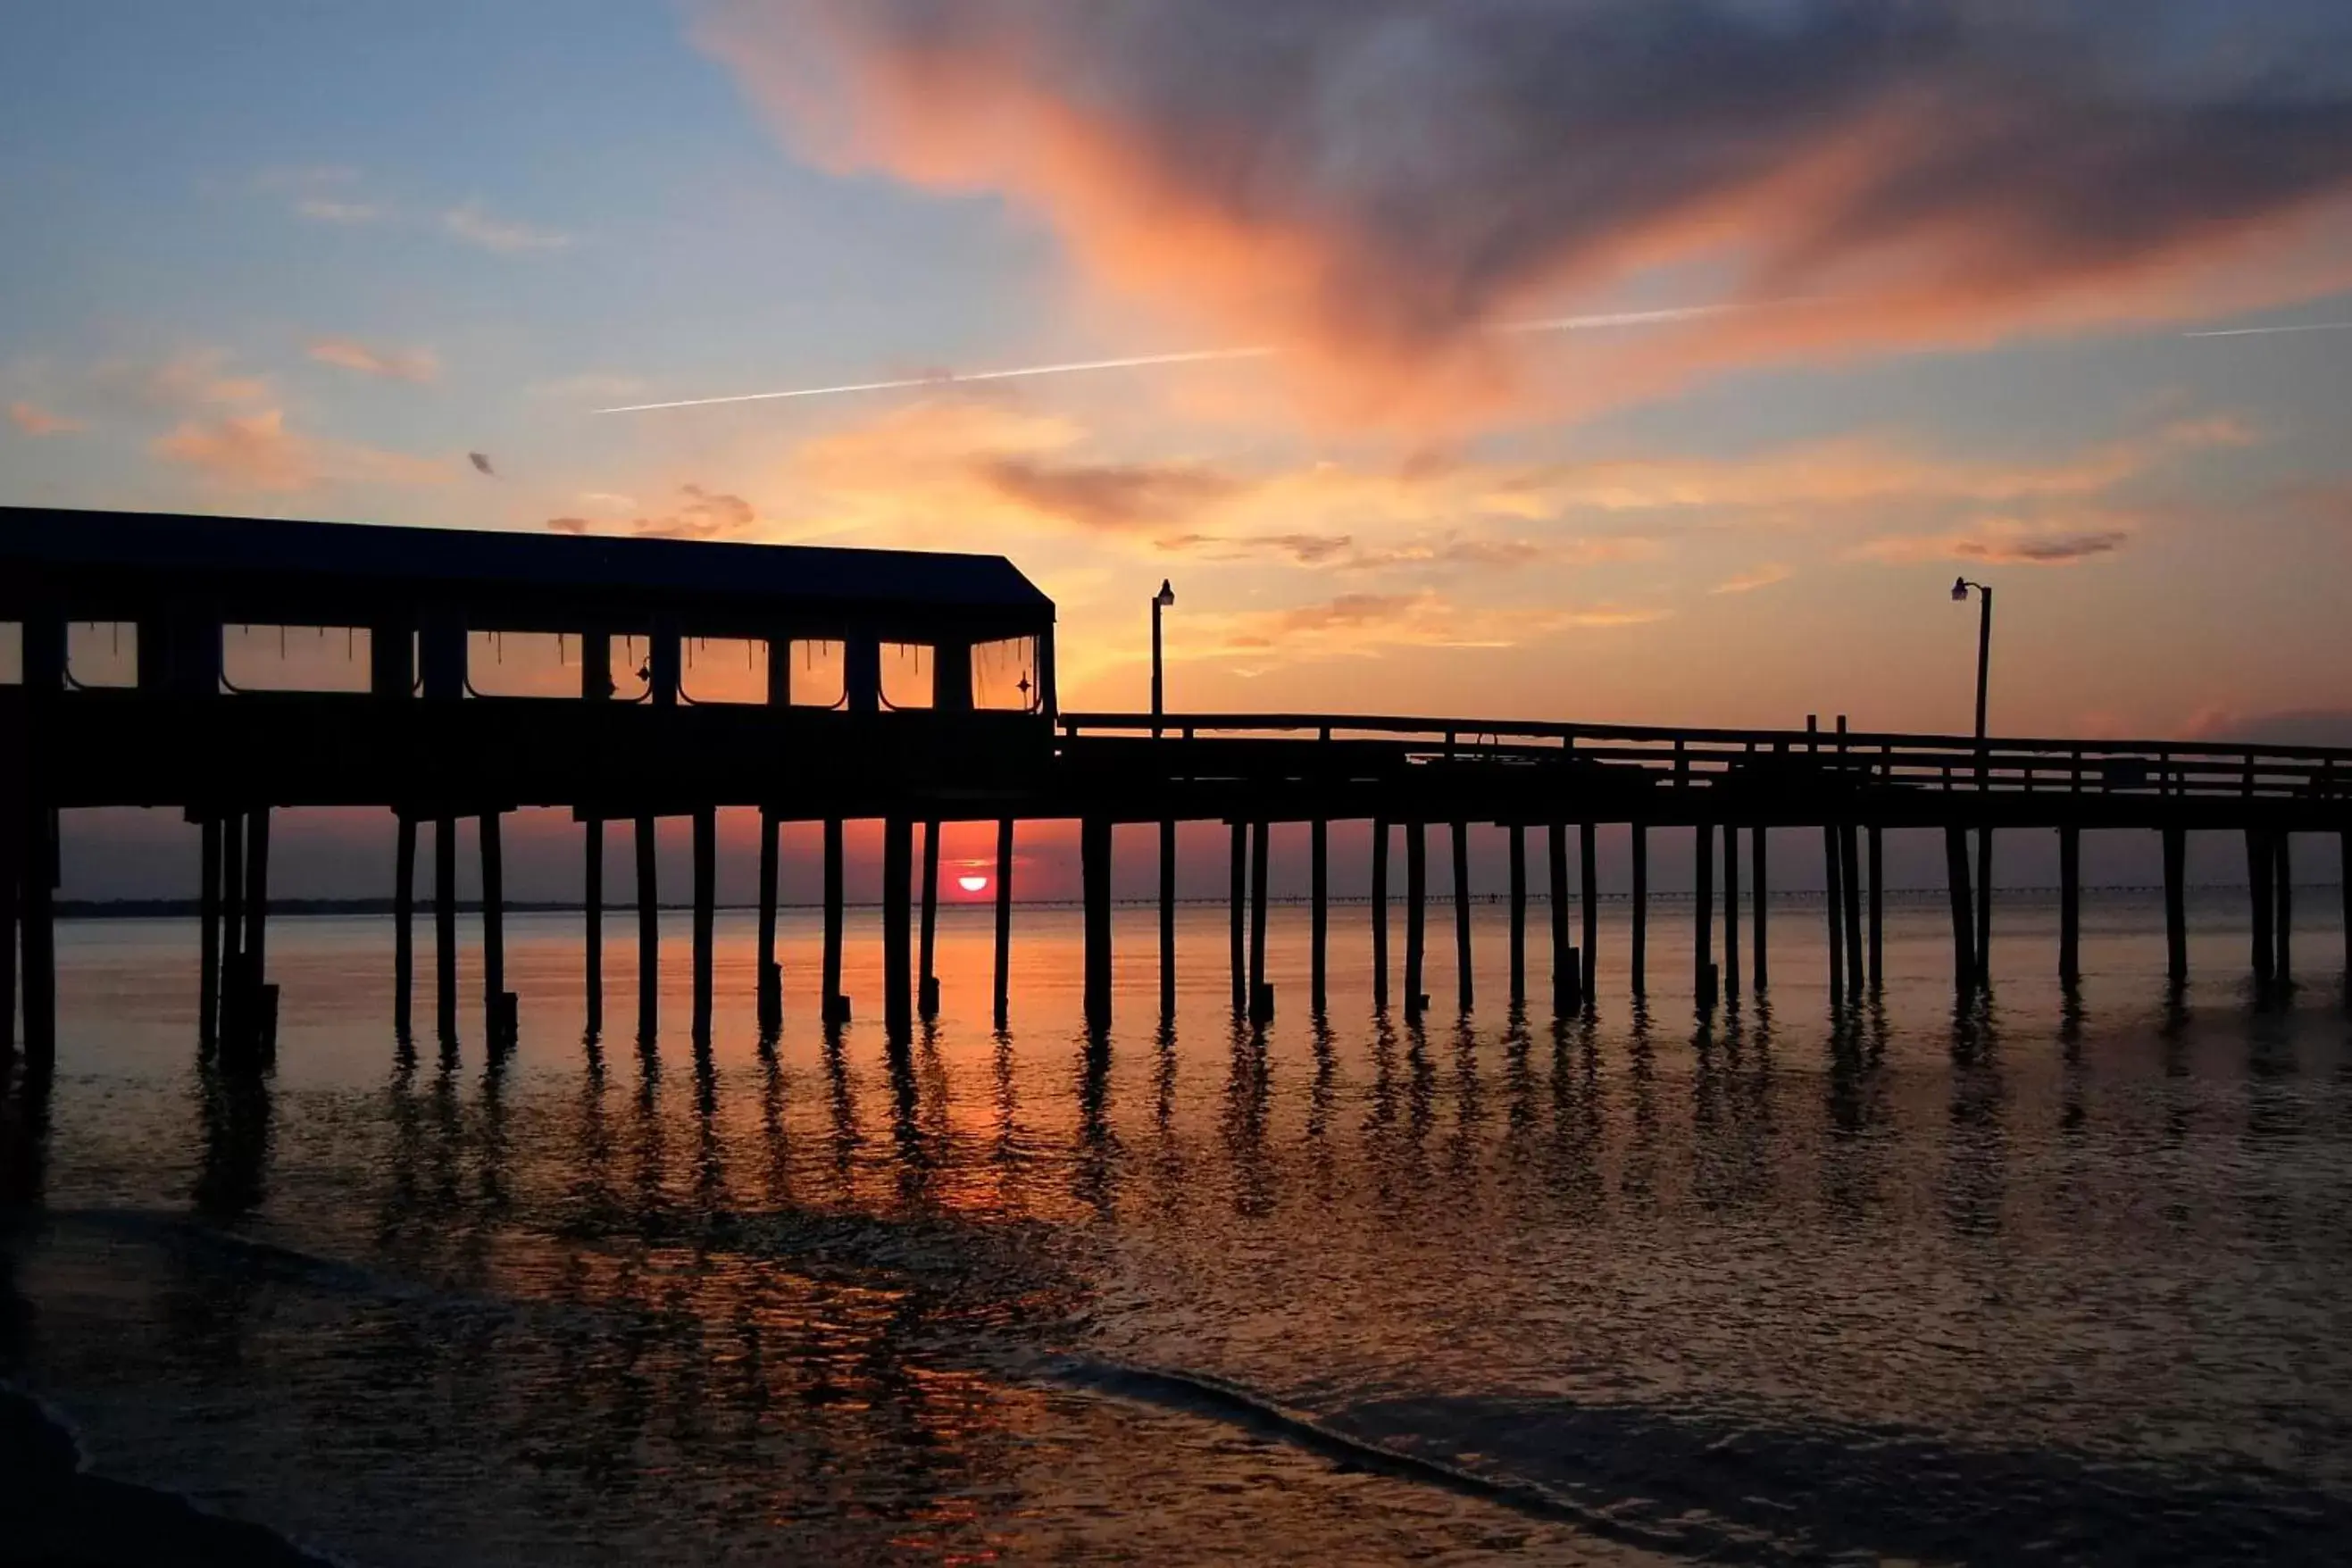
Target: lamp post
1961,587
1160,602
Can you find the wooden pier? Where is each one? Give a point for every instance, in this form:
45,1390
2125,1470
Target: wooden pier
965,743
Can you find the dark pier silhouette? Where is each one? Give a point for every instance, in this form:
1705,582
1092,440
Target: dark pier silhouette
918,689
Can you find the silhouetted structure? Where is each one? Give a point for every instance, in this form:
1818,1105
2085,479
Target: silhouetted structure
968,730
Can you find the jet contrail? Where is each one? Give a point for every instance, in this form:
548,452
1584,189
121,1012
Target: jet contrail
2265,332
1195,356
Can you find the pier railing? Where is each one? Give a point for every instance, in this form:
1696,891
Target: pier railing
1703,758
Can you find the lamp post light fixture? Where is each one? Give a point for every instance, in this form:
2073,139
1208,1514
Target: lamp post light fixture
1160,602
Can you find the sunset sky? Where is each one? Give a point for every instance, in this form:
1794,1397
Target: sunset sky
1942,280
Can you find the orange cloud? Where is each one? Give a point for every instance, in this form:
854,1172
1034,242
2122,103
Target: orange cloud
257,452
704,514
34,420
1756,577
396,364
1377,186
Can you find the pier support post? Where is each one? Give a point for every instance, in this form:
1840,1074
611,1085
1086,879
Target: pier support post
1965,975
897,955
1567,983
648,935
1463,982
1238,893
1587,870
770,982
1984,906
1760,904
1318,894
1707,976
1641,942
1877,908
1518,838
444,930
1380,912
258,1006
706,909
1850,862
2344,882
12,873
592,900
403,914
37,976
1002,992
208,936
495,1024
2259,862
1261,994
232,916
1416,897
2282,967
1093,856
835,1006
2176,903
1730,910
2070,905
1833,907
926,992
1167,914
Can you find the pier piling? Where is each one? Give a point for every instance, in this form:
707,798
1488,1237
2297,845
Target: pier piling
1518,838
706,909
208,937
927,996
1849,866
2282,966
592,900
1002,992
1319,856
1261,996
1730,910
1834,908
1878,850
1464,984
1238,894
494,933
1416,897
1380,912
1588,906
1094,855
232,907
1984,906
648,935
444,926
770,979
2070,905
2260,863
1966,975
1759,897
1641,941
1167,908
1702,971
897,946
37,975
1567,980
2176,903
834,1004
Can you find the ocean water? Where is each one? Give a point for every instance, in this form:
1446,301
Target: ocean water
2057,1277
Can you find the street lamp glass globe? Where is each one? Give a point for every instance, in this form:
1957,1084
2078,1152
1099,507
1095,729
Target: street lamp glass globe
1166,596
1960,590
